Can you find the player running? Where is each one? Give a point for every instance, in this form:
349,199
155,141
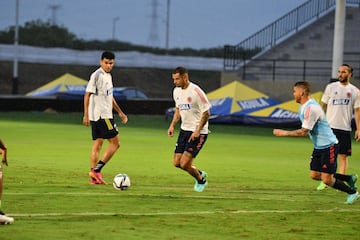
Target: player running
323,159
193,108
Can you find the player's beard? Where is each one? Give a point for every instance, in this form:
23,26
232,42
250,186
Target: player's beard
344,80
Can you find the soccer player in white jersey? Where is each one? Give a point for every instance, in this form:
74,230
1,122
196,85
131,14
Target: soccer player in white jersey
98,111
193,108
341,101
323,159
3,151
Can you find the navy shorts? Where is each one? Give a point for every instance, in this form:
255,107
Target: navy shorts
344,138
104,128
324,160
192,147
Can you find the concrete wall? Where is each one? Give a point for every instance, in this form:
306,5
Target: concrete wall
281,90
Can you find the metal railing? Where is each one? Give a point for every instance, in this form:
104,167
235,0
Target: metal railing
297,70
278,31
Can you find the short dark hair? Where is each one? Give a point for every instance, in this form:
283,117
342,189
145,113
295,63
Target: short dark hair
108,55
304,85
349,67
180,70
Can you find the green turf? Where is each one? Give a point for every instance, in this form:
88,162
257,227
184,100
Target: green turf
259,185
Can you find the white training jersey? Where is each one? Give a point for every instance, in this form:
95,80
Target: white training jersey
341,101
191,102
101,87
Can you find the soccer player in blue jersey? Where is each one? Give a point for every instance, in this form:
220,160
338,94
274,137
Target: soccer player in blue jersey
323,159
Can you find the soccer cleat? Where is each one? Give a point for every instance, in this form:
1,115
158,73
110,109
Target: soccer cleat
97,176
352,182
5,219
322,186
200,187
352,198
93,181
203,174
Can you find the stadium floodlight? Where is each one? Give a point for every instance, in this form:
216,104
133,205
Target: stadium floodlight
16,46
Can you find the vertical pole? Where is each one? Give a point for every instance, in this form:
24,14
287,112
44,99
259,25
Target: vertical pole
167,25
339,35
274,70
114,27
15,79
304,71
244,69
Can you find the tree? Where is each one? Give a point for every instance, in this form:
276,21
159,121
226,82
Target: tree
39,33
44,34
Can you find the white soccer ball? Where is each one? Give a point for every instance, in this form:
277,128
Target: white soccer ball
121,182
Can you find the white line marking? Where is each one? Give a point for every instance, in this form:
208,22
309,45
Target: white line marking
241,196
335,210
236,195
160,196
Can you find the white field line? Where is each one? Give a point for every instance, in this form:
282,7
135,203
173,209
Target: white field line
240,195
334,210
339,210
117,193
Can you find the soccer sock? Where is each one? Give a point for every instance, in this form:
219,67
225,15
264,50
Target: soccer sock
202,181
342,177
99,166
340,185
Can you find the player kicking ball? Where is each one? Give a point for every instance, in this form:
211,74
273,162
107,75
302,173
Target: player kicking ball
99,104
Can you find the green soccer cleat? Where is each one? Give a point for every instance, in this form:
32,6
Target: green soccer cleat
352,198
203,174
200,187
322,186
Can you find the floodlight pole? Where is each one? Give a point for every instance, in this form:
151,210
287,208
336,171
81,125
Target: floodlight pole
15,79
114,27
339,35
167,25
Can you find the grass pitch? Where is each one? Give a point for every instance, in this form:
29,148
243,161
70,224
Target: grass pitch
259,185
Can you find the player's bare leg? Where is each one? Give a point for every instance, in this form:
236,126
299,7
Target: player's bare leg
343,163
95,177
3,218
114,145
95,151
1,184
337,183
108,153
186,163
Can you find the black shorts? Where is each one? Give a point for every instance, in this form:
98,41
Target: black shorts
192,147
104,128
324,160
344,138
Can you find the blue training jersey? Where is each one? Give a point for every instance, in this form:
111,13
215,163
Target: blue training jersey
313,118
